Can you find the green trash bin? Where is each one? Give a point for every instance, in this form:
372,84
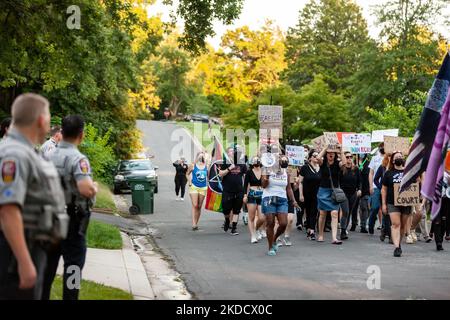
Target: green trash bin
142,195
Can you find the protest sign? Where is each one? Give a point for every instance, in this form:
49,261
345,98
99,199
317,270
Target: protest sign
332,142
318,143
393,144
378,135
270,114
409,197
296,155
357,143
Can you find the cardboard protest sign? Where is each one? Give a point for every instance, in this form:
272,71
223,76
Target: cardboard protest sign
318,143
409,197
357,143
269,136
332,142
270,114
292,171
378,135
296,155
393,144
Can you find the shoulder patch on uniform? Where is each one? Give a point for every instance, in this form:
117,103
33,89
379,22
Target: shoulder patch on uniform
9,170
84,166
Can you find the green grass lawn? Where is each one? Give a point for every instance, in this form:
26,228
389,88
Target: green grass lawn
104,199
103,236
91,291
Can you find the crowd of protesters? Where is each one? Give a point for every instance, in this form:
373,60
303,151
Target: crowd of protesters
274,200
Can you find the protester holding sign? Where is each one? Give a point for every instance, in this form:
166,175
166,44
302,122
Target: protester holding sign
375,192
350,180
398,212
327,196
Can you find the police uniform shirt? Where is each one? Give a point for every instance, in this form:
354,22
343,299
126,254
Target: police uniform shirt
48,148
26,179
73,166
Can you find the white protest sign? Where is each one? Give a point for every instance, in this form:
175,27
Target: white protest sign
296,155
357,143
378,135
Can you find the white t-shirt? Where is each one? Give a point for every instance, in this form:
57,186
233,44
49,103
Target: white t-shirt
277,185
375,163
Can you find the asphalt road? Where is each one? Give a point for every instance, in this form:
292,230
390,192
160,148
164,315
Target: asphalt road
216,265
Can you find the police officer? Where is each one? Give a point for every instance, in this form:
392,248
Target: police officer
80,190
31,211
50,145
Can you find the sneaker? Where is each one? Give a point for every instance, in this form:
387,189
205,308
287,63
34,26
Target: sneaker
300,227
254,240
414,236
195,228
287,242
397,252
371,231
272,252
353,228
344,235
364,230
409,239
379,228
439,247
181,199
226,225
264,234
258,235
234,232
312,237
177,199
245,218
279,243
427,239
275,247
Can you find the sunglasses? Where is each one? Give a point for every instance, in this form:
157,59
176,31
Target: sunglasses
315,155
349,157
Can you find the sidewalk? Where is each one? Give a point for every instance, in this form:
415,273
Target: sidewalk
121,269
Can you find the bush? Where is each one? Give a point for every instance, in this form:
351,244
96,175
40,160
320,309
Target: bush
100,153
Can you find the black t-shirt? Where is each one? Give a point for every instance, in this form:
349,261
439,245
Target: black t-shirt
181,169
311,180
350,181
250,178
325,174
390,179
365,186
233,182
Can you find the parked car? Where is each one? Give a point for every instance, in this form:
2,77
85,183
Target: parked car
200,117
127,169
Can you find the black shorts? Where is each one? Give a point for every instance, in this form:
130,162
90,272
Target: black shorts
403,210
232,202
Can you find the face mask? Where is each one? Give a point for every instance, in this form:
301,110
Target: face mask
284,164
382,151
399,162
202,159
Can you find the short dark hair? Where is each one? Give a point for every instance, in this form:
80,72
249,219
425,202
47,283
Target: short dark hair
4,126
54,130
72,126
310,153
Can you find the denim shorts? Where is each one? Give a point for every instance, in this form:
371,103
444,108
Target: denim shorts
274,205
254,197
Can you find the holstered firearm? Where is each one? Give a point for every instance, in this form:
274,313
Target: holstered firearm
79,217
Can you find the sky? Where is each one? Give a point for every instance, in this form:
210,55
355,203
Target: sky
284,13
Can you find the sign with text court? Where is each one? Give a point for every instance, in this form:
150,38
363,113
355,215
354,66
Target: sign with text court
409,197
378,135
296,155
357,143
393,144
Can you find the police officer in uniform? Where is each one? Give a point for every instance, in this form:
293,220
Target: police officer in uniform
32,214
80,190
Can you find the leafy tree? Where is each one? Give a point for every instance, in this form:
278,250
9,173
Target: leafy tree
404,114
328,40
198,16
316,109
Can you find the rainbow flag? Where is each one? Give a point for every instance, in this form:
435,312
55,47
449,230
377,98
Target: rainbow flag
214,193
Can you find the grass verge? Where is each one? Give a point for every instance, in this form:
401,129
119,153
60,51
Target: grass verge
91,291
103,236
104,200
